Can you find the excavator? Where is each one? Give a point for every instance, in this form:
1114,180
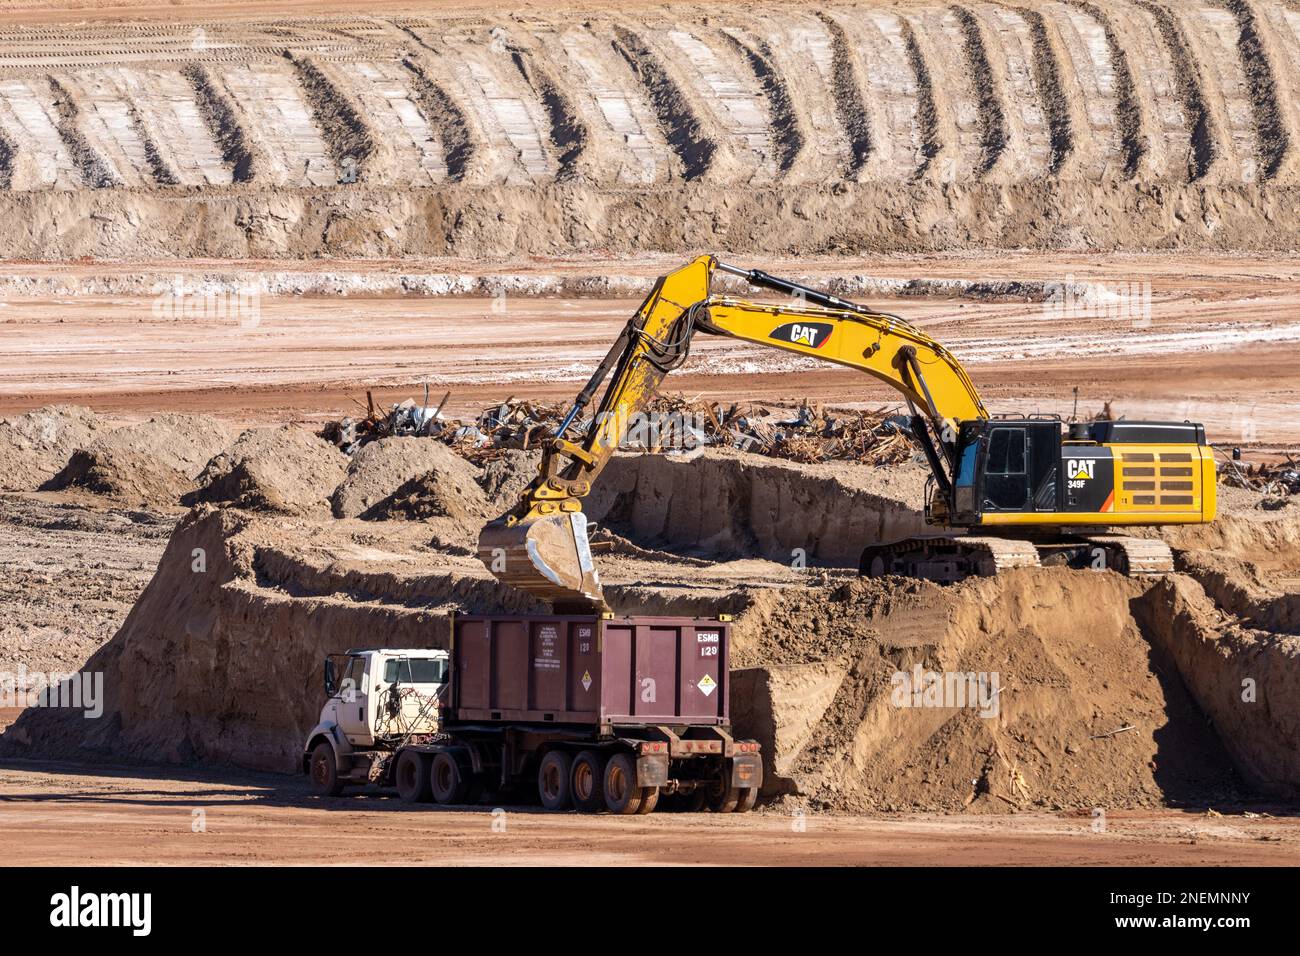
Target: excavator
1003,491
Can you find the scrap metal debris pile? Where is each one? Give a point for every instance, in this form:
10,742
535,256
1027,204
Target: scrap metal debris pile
1279,480
672,424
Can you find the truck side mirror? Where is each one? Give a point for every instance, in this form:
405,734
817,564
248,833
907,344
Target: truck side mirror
331,679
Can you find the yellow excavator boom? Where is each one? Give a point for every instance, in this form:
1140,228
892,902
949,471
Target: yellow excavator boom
541,545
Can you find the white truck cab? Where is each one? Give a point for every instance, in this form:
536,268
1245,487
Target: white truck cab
376,700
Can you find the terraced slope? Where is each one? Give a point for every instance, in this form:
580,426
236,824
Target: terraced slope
1111,123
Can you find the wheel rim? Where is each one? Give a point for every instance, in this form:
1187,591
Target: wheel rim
617,784
406,776
319,772
551,781
582,781
443,775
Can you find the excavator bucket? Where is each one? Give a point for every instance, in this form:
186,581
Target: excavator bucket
548,557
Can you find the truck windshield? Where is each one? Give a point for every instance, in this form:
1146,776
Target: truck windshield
416,670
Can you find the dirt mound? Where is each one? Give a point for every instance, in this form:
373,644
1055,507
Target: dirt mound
409,478
153,462
505,477
286,469
34,446
880,722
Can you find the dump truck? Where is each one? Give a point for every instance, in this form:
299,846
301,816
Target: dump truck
588,712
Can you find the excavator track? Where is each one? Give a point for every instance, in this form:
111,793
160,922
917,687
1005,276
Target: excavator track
948,557
1135,557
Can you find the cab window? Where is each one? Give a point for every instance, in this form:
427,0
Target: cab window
1006,452
415,670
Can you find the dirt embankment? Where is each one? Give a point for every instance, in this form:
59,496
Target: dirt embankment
728,504
881,126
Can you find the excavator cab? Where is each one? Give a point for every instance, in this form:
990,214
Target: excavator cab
1028,471
1006,465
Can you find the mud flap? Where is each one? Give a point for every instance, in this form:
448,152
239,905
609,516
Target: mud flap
746,770
652,770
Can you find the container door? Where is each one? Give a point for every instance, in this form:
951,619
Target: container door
510,648
472,682
655,690
701,688
549,649
584,674
617,676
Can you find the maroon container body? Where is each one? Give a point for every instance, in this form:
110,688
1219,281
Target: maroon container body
591,671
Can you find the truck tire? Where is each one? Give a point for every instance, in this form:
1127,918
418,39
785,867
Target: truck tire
724,798
412,777
555,780
622,795
649,800
588,781
445,779
324,771
748,798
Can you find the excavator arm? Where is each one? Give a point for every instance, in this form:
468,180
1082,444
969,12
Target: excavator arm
541,546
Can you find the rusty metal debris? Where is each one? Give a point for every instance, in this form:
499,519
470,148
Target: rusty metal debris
1278,480
672,424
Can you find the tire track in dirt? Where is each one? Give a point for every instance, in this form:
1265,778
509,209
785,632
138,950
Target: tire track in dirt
1047,80
159,169
927,113
93,169
1204,149
458,143
788,136
680,124
1133,137
219,113
1271,140
992,120
568,134
7,152
348,137
847,92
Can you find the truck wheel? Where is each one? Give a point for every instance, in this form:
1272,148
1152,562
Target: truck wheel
588,781
555,780
445,780
622,795
412,777
649,800
748,798
324,771
724,798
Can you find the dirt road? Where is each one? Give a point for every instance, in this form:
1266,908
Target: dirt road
1218,345
65,814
